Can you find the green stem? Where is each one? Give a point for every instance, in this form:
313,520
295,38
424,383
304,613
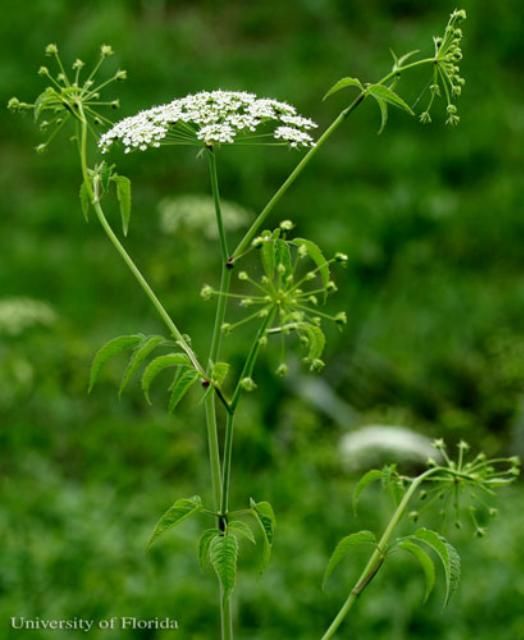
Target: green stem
377,558
247,371
226,617
259,221
95,200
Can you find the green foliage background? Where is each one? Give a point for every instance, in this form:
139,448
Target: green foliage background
431,219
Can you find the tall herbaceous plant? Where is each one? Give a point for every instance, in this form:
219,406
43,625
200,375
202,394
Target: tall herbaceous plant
284,305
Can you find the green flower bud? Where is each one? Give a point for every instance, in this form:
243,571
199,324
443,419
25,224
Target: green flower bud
341,318
51,50
287,225
282,370
317,365
247,384
43,71
425,117
106,50
331,286
41,148
121,74
206,292
242,275
341,257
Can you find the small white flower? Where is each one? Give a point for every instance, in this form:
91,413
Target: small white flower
212,118
294,136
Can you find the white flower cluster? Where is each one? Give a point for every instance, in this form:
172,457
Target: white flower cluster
211,117
19,314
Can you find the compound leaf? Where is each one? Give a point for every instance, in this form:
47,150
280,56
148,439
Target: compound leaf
370,476
181,510
425,561
181,386
219,372
381,92
448,556
140,354
108,351
265,516
223,554
123,194
159,364
316,340
342,84
343,548
315,253
203,546
242,529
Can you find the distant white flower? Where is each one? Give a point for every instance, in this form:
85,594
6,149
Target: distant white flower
212,118
196,214
19,314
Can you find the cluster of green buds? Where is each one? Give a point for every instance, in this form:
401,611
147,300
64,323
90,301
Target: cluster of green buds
447,80
464,486
295,281
68,96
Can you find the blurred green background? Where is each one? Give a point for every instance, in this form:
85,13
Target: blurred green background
431,219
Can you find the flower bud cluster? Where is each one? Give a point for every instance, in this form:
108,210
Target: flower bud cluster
447,80
295,279
67,97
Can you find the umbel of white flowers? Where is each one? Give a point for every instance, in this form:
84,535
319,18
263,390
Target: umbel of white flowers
212,118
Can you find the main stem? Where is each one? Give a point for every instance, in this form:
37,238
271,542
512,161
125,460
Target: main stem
226,615
377,558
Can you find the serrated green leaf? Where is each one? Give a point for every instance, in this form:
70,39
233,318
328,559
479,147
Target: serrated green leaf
106,173
84,201
381,92
109,350
316,340
180,387
370,476
342,84
48,98
181,510
203,546
383,106
140,354
426,562
448,556
123,194
223,554
159,364
219,372
315,254
283,256
265,517
268,257
344,546
242,529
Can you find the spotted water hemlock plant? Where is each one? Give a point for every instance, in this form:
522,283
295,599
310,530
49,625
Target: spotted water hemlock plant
282,297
